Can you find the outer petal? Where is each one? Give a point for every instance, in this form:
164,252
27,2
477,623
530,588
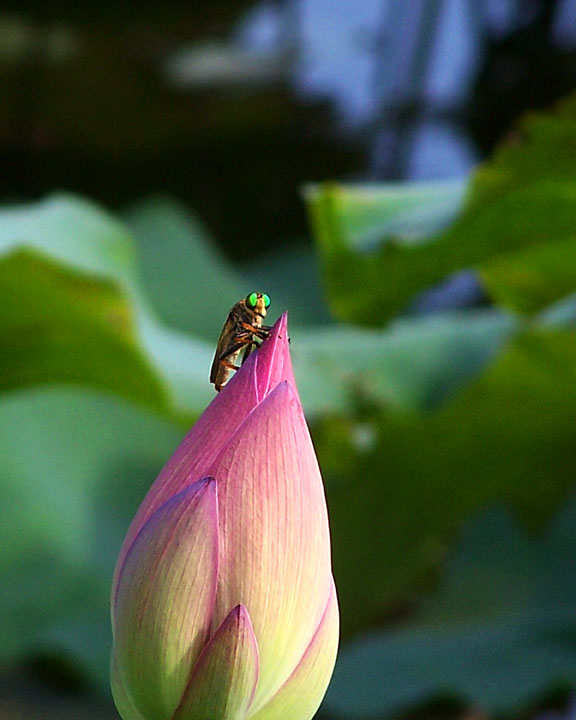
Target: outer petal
164,600
258,376
223,682
272,361
121,698
274,539
300,696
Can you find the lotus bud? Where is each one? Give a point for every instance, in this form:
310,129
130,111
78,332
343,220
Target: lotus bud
223,603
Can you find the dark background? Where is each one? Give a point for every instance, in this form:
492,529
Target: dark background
231,106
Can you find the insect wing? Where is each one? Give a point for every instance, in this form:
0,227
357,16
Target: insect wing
247,352
218,372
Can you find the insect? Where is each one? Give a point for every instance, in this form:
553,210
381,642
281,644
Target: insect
240,335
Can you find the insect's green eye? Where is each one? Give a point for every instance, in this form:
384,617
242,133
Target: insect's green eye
251,300
266,299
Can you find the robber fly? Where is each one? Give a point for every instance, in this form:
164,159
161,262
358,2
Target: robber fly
241,333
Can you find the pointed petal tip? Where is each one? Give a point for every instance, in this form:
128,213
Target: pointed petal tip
279,333
272,362
205,484
198,493
240,613
224,680
278,336
280,327
237,619
283,392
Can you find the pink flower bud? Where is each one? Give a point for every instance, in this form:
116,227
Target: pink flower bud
223,605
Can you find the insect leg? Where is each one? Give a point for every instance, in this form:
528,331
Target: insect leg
249,348
232,349
261,332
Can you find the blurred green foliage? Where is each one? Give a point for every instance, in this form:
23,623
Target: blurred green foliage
517,229
498,630
424,427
